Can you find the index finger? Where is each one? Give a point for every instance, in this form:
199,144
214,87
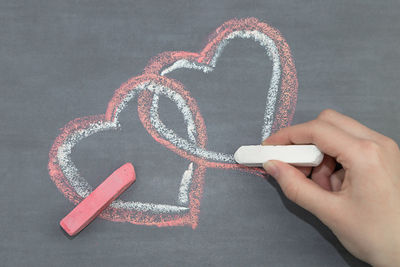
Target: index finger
329,139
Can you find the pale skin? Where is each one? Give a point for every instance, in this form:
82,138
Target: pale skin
360,203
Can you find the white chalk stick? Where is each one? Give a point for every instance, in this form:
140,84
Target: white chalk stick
298,155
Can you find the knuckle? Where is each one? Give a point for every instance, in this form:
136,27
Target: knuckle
326,114
314,124
390,143
314,128
369,147
371,155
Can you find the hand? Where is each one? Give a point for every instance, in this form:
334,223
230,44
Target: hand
360,203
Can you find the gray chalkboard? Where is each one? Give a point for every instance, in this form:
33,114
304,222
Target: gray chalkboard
62,60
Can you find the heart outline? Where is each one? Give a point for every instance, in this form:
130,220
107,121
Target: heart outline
207,59
152,72
176,215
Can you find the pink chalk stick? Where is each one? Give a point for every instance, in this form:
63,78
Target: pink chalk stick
99,199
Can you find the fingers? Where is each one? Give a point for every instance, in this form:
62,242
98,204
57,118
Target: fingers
336,180
348,125
328,138
321,174
301,190
305,170
277,139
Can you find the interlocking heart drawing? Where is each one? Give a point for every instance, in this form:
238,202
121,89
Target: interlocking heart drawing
281,96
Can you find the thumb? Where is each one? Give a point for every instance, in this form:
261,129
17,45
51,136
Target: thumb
301,190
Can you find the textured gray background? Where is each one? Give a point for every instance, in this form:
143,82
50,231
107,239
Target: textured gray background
63,59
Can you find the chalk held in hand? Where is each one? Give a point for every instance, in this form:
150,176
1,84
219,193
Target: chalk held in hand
99,199
297,155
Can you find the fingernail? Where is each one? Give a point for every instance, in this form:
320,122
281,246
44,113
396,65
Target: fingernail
271,168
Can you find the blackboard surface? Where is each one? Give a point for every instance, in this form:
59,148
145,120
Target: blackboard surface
62,60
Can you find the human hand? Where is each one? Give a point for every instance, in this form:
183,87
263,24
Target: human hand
360,203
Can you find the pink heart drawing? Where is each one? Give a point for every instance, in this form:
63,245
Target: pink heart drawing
280,106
